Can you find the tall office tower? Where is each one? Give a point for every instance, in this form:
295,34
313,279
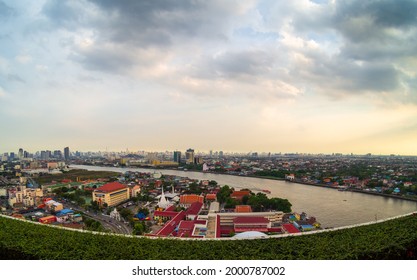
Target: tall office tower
189,156
66,153
221,154
177,156
43,155
57,154
211,153
20,154
25,154
12,156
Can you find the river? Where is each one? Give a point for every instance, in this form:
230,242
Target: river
332,208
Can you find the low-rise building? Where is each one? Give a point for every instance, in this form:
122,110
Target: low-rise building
187,199
238,195
47,220
111,194
64,215
243,209
53,206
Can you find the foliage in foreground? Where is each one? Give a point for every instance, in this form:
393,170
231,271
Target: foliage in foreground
395,239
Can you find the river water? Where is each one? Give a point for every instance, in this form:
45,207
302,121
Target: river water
332,208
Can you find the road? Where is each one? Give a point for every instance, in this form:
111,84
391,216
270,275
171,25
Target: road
111,224
107,222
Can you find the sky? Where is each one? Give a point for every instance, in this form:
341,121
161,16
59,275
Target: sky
239,75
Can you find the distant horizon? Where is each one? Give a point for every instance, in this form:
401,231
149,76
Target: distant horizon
135,151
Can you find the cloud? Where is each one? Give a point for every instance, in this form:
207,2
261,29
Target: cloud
5,11
24,58
15,78
278,48
2,92
341,49
41,68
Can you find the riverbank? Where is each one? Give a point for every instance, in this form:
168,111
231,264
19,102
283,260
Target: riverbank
266,178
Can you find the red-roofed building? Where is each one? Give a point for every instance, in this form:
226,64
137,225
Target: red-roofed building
47,220
170,226
238,195
170,208
211,196
193,210
247,223
188,199
290,228
111,193
185,228
243,209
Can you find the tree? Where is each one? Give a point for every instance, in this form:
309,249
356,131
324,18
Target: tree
126,213
80,201
245,199
139,228
279,204
231,203
224,194
95,205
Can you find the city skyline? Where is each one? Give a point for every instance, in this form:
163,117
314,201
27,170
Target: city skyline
237,76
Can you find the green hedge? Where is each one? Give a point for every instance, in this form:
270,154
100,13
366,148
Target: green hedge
394,239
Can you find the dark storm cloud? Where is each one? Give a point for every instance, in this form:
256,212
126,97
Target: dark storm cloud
136,20
371,38
338,75
368,20
385,13
124,28
143,23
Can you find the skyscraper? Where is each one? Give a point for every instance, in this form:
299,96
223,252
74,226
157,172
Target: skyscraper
177,156
189,156
66,153
57,154
20,154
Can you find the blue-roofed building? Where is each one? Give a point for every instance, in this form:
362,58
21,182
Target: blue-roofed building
64,215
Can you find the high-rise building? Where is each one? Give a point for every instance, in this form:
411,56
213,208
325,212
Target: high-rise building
43,155
198,160
177,156
20,154
57,154
12,156
189,156
66,153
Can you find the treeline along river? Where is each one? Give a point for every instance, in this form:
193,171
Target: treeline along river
332,208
